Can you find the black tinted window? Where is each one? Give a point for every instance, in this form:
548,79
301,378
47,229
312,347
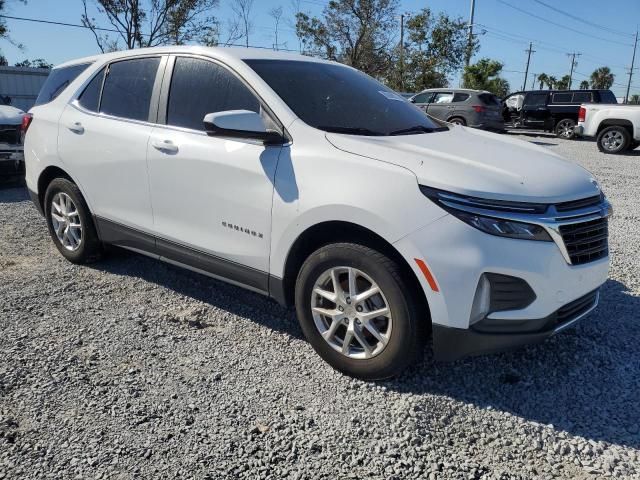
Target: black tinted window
561,98
489,99
199,87
536,99
582,97
607,96
57,81
340,99
90,97
128,87
460,97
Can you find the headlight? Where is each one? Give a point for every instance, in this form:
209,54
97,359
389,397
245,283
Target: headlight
468,209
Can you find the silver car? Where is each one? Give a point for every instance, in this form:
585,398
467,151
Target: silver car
474,108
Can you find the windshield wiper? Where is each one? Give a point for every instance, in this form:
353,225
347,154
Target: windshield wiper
417,129
349,130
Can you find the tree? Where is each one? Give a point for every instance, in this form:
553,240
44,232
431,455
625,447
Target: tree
276,14
435,47
584,85
356,32
634,99
563,83
242,9
602,78
485,75
148,23
37,63
4,30
543,78
551,82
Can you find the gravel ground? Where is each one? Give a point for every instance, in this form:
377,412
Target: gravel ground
133,368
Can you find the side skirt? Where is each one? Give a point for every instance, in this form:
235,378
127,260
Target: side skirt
183,256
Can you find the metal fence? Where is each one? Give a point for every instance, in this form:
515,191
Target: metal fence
22,85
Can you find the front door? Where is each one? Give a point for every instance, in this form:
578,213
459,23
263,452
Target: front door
103,138
211,196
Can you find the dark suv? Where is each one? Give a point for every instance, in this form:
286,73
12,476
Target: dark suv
550,110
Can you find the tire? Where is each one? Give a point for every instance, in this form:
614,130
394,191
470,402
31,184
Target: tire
613,139
564,128
78,245
458,121
403,329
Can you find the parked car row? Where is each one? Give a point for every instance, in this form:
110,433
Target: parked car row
11,131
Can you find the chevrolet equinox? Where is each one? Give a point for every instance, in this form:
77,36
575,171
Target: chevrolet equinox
310,182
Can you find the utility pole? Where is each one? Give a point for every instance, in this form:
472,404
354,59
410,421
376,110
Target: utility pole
526,72
573,56
402,52
633,61
533,80
470,39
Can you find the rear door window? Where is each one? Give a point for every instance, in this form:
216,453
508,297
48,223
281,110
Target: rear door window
199,87
90,97
57,81
443,97
582,97
561,98
128,88
460,97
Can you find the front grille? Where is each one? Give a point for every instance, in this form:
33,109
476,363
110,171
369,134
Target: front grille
586,242
576,308
10,134
577,204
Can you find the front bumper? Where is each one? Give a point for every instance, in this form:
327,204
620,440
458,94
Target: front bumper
454,343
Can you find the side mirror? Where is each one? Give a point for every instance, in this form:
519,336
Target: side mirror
240,124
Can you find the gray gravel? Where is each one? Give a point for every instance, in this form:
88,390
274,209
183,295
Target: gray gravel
133,368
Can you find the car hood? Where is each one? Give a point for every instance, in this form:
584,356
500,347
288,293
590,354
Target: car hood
476,163
10,115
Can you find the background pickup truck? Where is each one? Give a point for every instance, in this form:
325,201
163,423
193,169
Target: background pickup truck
615,127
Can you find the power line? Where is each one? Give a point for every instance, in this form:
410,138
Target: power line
560,25
586,22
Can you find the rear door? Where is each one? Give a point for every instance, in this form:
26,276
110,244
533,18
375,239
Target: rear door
441,105
535,113
103,138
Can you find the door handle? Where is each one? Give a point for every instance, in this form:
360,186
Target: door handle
76,127
166,146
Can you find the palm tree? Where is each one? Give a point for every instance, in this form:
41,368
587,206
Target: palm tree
551,82
634,99
563,83
602,78
543,78
584,85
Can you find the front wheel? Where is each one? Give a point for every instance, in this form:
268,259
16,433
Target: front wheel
358,311
565,128
613,139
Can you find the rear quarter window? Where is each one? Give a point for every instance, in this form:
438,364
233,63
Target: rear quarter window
561,98
57,81
489,99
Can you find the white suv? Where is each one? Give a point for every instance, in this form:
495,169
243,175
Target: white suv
312,183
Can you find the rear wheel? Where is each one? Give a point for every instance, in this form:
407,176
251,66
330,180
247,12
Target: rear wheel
564,128
458,121
613,139
358,311
70,224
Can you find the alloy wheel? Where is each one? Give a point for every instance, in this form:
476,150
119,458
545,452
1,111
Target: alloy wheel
565,128
612,140
66,221
351,312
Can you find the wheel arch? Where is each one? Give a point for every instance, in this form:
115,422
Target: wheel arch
46,177
616,122
328,232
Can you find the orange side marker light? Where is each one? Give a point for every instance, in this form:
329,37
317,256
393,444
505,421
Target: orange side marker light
427,274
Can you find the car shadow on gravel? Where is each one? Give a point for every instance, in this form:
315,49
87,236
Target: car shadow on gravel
584,381
12,193
202,288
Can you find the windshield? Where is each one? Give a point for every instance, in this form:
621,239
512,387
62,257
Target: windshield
339,99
